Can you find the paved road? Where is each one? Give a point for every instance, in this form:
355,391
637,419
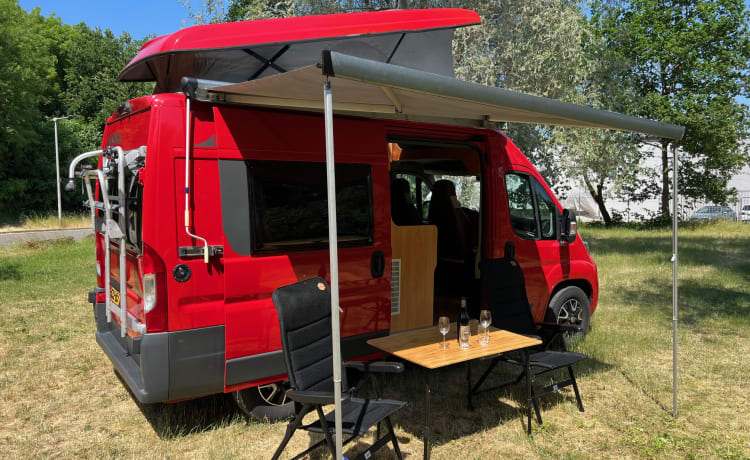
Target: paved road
8,239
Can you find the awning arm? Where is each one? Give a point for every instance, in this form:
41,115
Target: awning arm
389,94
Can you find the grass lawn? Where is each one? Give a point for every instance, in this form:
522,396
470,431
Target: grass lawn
59,396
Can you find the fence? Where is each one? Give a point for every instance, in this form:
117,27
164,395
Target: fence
689,207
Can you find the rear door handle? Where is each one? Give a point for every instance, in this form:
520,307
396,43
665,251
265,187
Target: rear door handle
377,264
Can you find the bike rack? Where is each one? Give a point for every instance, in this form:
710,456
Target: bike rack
110,228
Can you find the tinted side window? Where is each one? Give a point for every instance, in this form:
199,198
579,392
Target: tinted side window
547,212
521,206
289,206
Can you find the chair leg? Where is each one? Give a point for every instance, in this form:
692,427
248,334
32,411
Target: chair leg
326,431
536,407
575,388
290,429
469,405
529,389
393,438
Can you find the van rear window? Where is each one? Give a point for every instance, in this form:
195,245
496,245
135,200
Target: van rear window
289,205
280,206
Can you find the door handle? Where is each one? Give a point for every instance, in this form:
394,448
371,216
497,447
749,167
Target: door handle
377,264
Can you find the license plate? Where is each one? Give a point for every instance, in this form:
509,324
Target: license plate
114,295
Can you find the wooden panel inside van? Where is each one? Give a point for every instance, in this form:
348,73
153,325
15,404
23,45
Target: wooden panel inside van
416,247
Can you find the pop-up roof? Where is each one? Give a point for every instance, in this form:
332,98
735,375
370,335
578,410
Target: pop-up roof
241,51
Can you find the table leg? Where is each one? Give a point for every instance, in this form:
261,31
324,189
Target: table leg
426,433
529,401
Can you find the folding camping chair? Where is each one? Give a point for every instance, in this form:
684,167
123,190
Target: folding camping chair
505,289
304,310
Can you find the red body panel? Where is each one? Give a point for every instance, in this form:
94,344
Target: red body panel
235,290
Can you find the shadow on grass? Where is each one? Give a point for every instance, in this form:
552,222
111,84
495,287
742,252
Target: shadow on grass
696,302
9,271
175,420
450,418
694,250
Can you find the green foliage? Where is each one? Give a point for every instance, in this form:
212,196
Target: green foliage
684,62
49,69
516,48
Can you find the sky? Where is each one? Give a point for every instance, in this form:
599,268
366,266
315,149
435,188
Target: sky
137,17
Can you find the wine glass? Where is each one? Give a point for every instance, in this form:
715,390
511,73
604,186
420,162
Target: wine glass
444,323
485,318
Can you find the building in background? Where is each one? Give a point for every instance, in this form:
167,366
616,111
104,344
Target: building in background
580,199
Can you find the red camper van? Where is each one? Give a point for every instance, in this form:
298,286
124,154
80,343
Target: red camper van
207,198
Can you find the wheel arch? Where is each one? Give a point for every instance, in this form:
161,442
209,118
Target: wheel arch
580,283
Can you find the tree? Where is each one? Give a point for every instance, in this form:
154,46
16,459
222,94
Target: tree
515,48
685,62
608,162
91,90
50,69
26,71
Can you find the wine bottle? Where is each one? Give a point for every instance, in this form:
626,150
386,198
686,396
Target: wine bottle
463,325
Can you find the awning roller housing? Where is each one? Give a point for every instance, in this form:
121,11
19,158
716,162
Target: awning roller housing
375,89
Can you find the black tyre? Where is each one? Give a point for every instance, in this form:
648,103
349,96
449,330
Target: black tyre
570,305
265,403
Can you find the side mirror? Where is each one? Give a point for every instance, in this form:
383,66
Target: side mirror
569,226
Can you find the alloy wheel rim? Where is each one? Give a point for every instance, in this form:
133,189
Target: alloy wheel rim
273,394
570,312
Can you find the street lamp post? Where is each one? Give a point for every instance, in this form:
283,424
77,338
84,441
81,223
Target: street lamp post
57,169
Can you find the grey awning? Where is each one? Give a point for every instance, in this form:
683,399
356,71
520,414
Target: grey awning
377,90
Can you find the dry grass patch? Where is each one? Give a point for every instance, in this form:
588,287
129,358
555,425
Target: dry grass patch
60,398
39,221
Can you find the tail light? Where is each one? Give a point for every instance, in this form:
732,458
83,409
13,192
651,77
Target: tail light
154,290
98,254
149,292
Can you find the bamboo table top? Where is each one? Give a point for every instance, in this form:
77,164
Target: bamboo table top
424,346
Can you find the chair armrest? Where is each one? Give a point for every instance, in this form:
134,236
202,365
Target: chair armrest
314,397
382,367
560,326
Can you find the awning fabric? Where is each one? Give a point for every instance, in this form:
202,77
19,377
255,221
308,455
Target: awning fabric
375,89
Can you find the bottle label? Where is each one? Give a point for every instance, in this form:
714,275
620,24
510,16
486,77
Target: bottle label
464,333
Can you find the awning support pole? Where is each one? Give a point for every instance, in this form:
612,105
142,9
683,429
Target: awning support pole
334,261
675,283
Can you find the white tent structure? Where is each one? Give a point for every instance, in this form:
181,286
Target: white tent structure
372,89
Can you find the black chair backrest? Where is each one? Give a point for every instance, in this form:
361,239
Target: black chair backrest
304,310
505,290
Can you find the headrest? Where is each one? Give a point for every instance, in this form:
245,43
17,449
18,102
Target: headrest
400,188
444,187
510,250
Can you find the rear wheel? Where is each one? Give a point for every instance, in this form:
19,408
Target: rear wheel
570,305
265,402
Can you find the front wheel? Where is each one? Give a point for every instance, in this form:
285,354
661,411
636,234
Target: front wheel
265,402
570,305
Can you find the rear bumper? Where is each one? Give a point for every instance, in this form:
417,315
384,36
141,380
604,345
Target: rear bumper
165,366
168,366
